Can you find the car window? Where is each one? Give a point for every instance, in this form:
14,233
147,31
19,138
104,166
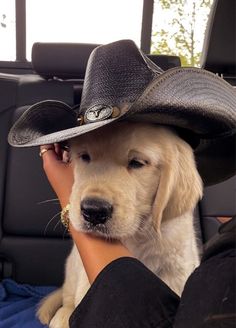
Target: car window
89,21
177,27
7,30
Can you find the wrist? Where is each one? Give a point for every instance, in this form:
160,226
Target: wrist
63,203
96,252
65,219
64,199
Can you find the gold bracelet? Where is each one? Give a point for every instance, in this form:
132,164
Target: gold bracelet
65,216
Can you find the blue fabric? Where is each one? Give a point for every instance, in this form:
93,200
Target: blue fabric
18,304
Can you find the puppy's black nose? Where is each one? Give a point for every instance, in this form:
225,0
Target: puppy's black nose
95,210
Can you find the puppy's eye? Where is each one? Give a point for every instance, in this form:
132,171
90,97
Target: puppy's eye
85,157
136,164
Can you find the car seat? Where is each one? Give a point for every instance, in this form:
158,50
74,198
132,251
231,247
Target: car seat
33,243
219,57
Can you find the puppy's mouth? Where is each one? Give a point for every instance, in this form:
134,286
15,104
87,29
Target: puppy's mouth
101,218
98,229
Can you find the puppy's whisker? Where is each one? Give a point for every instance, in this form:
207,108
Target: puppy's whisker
45,230
57,224
48,201
64,234
147,229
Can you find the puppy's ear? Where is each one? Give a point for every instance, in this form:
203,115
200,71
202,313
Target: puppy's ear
180,186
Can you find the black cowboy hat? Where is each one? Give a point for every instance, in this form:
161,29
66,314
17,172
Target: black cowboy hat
122,83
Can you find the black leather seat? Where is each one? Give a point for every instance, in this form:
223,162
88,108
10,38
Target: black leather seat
22,186
218,201
31,249
219,57
33,245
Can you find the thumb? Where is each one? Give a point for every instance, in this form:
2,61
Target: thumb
50,155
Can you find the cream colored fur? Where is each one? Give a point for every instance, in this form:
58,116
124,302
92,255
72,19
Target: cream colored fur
152,206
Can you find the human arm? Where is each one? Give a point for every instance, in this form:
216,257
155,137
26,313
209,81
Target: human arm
96,253
122,288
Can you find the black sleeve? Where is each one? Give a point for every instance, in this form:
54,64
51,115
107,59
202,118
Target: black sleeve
208,299
126,295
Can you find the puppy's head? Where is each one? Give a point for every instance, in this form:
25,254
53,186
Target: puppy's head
128,176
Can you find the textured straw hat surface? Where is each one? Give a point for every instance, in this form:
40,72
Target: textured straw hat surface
121,83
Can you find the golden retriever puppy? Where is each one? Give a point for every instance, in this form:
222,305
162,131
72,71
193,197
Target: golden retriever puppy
137,183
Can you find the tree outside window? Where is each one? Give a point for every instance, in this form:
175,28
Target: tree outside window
179,28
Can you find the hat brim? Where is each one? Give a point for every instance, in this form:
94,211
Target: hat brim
186,98
54,137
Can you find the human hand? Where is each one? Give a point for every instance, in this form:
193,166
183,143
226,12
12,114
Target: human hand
95,252
59,171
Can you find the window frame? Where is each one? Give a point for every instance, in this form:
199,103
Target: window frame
22,63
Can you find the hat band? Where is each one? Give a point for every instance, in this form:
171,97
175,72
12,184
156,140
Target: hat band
99,113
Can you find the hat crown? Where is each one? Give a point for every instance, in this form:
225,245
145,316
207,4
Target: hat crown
116,74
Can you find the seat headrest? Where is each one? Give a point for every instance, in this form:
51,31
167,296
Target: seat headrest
165,61
69,60
219,49
61,60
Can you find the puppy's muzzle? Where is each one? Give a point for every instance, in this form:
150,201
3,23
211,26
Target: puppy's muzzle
95,210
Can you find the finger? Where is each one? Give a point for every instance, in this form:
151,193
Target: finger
58,150
49,156
49,146
66,157
52,163
62,152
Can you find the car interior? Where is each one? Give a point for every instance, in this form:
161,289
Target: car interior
33,243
